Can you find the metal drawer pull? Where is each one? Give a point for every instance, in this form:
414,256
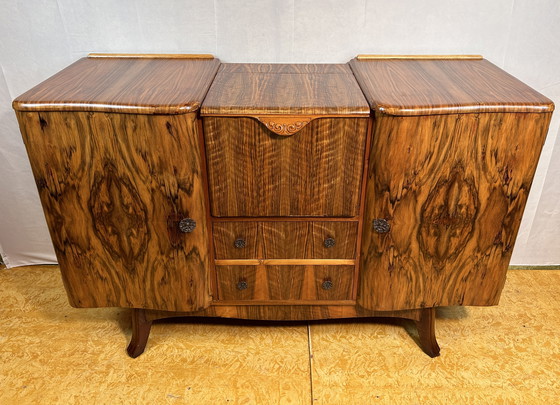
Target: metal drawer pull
242,285
329,242
327,285
239,243
187,225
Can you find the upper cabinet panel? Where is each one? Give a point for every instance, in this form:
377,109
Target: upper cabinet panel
143,84
407,86
247,89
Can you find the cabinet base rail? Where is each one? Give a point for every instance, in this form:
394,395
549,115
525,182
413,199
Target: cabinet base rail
424,319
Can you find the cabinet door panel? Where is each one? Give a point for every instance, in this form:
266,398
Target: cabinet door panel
254,172
114,188
452,189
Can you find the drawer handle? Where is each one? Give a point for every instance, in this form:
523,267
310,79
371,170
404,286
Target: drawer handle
242,285
327,285
239,243
329,242
187,225
381,225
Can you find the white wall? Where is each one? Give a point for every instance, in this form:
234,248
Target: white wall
39,37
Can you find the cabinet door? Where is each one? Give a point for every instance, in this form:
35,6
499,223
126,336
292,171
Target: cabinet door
254,172
444,201
114,188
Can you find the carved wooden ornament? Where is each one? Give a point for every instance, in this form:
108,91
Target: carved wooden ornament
285,126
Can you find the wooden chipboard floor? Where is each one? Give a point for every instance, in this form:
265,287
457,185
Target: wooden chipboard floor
51,353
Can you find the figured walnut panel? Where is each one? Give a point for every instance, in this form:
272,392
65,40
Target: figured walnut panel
113,189
267,89
344,235
453,189
285,240
225,235
421,87
284,282
124,85
254,172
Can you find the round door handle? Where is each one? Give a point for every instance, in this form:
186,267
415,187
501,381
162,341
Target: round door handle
187,225
242,285
381,225
239,243
327,285
329,242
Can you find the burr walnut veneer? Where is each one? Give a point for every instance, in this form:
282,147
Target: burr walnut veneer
179,186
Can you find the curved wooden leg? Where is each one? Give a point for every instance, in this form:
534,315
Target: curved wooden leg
140,331
427,332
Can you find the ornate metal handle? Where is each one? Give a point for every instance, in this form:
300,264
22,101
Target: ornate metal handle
187,225
239,243
381,225
242,285
329,242
327,285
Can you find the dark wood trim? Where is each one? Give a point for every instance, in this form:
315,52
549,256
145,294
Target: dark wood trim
424,318
427,332
141,326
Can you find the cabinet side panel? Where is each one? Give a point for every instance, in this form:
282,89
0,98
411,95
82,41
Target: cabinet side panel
453,189
114,188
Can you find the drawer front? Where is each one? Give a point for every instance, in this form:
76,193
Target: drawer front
254,172
284,283
285,240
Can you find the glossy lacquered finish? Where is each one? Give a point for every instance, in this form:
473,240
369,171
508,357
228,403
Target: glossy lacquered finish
443,86
292,192
278,89
130,85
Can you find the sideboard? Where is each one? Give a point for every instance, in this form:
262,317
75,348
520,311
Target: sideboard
389,186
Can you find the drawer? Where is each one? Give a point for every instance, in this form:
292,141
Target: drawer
316,172
285,240
266,283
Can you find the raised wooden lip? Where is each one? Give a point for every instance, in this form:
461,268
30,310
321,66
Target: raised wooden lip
419,57
151,55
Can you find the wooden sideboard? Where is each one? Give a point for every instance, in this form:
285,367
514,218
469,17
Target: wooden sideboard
179,186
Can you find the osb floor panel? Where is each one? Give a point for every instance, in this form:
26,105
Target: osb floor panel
51,353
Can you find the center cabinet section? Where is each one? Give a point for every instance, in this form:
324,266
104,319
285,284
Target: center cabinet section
285,141
285,152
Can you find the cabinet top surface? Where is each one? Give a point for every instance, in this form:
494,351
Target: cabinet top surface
425,87
285,89
126,85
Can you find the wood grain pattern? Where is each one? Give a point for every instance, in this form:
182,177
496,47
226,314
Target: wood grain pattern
254,172
422,87
453,188
124,85
270,283
113,188
241,89
286,68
